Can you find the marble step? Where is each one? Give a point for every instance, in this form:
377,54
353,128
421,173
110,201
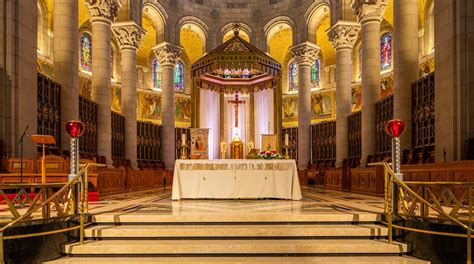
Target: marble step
233,247
229,217
274,230
240,260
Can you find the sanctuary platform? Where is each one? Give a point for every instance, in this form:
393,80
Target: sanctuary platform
324,227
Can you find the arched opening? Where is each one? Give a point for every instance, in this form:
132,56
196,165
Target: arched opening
193,40
279,41
279,38
149,68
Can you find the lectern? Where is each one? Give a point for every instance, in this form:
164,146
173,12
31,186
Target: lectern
43,140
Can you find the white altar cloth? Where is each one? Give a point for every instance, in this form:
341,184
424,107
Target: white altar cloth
233,179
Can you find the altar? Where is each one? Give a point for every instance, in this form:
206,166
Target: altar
236,179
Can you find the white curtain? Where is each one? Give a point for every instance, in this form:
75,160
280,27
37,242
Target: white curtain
209,118
264,121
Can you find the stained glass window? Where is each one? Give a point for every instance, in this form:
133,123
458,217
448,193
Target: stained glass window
86,52
316,73
179,77
156,74
386,51
293,77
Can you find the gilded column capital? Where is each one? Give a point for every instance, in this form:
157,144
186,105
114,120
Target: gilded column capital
167,53
305,53
129,34
103,10
343,34
369,10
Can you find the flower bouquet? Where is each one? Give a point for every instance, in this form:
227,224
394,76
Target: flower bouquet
269,155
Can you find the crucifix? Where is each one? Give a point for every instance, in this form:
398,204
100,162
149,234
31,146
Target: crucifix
236,103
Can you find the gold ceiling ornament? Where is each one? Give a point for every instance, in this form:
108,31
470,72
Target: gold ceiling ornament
236,46
236,28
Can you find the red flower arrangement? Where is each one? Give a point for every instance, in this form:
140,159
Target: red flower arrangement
269,154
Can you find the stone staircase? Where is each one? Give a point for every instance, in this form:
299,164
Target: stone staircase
237,238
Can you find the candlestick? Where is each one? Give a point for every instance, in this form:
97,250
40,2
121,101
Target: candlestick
223,149
184,155
287,156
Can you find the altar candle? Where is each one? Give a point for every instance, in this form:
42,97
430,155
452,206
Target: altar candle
183,139
286,140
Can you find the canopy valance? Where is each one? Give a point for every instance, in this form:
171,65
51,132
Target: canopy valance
236,67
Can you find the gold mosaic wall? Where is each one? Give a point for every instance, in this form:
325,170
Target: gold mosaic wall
149,109
323,108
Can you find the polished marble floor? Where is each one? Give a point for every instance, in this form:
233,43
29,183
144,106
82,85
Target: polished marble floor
315,201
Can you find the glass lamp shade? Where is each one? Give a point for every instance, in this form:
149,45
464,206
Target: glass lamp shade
395,127
75,128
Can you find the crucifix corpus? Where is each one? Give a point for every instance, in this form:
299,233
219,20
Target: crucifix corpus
236,103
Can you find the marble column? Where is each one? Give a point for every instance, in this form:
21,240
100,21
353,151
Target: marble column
65,69
343,36
129,36
167,54
405,62
369,15
103,12
304,56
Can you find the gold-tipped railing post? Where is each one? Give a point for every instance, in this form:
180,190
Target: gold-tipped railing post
2,252
388,202
81,215
469,233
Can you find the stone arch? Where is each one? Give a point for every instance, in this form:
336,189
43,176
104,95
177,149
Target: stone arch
271,27
197,25
157,15
243,26
313,17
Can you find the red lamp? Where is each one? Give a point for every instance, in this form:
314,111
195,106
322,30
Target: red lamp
395,127
75,128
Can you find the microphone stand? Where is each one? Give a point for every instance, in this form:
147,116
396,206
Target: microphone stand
20,142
